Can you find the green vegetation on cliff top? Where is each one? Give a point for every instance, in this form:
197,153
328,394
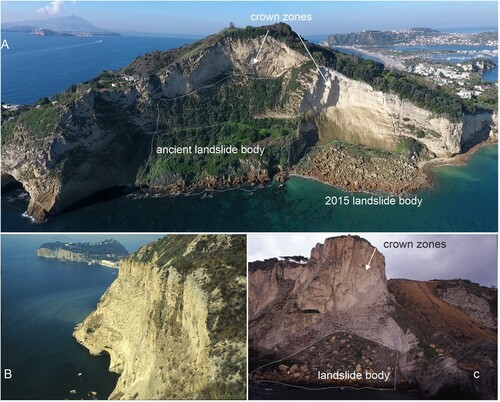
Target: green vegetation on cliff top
39,121
106,249
436,100
223,258
230,113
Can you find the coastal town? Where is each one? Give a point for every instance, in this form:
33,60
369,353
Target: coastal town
463,63
107,253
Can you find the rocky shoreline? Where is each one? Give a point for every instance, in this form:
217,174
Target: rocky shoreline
349,167
457,160
211,183
167,318
355,168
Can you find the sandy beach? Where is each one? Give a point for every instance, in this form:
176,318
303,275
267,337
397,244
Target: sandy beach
389,62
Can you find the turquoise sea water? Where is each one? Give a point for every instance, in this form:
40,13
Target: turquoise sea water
463,199
42,301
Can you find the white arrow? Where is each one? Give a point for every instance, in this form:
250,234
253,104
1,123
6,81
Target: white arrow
367,266
327,83
256,59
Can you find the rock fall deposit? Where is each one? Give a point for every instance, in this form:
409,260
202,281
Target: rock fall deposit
329,313
211,92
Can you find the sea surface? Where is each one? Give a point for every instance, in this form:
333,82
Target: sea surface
42,301
463,198
457,54
443,53
42,66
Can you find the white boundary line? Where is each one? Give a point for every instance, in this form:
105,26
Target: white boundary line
260,186
233,74
337,387
312,58
210,86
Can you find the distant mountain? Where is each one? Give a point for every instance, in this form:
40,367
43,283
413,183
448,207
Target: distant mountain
68,25
213,92
71,23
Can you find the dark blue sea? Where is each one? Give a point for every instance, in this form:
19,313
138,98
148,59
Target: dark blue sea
42,66
42,301
463,199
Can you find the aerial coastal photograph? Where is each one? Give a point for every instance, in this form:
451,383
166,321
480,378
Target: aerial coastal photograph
150,316
372,316
249,116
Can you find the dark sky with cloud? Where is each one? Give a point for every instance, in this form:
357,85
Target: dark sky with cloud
472,257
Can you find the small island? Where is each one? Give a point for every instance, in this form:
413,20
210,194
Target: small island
107,253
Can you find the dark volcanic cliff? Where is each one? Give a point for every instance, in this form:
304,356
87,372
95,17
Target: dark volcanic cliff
331,313
104,133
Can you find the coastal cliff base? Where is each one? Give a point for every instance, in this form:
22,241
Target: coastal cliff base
311,318
174,321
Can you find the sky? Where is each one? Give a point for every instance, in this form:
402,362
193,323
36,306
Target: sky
472,257
202,18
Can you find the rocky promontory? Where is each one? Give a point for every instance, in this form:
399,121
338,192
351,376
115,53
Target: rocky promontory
107,252
330,314
104,134
174,321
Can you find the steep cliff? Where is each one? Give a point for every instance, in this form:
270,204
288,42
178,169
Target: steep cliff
110,250
291,302
330,314
174,321
106,132
343,109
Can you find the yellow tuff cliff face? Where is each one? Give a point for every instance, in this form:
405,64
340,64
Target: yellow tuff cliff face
352,111
158,327
71,160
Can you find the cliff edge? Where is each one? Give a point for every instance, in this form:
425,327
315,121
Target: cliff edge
329,313
119,129
174,321
109,250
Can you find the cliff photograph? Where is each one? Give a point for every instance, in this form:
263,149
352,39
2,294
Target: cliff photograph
180,332
247,114
331,324
168,323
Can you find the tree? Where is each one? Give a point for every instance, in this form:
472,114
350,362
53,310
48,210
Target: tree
231,25
42,102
